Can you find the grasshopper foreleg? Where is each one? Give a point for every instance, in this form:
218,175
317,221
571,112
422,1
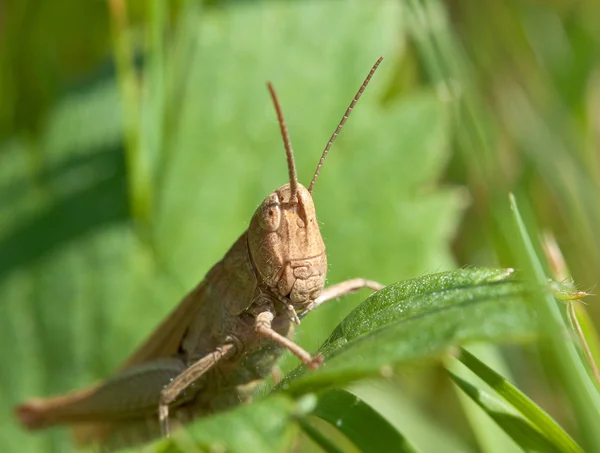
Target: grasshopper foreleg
188,377
342,289
263,327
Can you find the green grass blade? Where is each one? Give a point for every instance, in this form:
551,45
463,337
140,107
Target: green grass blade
519,429
590,342
153,96
530,411
369,431
577,383
138,178
489,436
395,400
319,438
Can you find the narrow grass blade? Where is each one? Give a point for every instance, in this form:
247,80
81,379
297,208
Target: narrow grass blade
528,409
368,430
577,383
519,429
319,438
490,437
138,177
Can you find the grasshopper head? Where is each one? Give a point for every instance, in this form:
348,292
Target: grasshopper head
284,238
286,245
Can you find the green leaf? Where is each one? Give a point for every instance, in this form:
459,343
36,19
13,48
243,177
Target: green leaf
369,431
418,319
527,408
267,426
518,428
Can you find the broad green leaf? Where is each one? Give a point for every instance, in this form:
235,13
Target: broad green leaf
82,285
419,319
267,426
368,197
369,431
530,411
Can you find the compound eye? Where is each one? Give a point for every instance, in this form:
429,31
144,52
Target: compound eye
270,215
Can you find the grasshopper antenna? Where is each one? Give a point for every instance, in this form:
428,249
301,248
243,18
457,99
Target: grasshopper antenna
287,143
342,122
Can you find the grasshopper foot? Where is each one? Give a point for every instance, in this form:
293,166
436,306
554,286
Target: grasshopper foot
163,418
31,414
315,362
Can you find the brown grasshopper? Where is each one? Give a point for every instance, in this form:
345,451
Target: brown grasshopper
225,336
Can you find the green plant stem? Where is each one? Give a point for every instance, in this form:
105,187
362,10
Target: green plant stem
138,176
577,383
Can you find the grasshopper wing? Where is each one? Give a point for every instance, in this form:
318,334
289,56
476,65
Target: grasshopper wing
164,342
125,406
232,283
166,339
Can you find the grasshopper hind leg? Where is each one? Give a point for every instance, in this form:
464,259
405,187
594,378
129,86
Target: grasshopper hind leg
187,378
115,413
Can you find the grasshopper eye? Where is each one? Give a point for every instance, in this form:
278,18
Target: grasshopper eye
270,216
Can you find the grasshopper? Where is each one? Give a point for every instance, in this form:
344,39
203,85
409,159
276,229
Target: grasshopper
225,336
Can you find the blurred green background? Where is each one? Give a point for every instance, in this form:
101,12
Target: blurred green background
137,138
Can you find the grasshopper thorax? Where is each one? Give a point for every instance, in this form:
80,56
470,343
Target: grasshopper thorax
286,246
